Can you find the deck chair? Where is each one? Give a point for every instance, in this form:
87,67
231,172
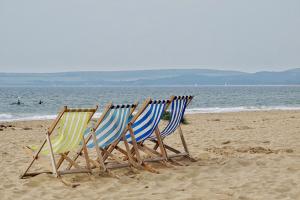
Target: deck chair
140,126
70,125
178,107
108,128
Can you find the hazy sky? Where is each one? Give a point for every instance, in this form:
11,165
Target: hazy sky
69,35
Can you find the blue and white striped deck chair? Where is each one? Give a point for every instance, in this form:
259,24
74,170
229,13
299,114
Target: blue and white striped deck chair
143,125
177,110
108,128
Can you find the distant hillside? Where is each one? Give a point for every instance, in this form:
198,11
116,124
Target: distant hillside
151,77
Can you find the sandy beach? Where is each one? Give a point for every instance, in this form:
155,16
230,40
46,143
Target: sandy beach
245,155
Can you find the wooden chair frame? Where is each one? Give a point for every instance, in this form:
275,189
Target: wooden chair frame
63,156
101,160
132,154
160,140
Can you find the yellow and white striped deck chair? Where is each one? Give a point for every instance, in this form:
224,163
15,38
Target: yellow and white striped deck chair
70,125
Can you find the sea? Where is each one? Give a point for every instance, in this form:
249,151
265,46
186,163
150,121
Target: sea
207,99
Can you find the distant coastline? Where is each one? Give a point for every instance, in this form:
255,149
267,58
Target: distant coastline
167,77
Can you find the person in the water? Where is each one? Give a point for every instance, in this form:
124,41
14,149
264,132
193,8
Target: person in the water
18,102
40,102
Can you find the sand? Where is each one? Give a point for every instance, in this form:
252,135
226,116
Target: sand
246,155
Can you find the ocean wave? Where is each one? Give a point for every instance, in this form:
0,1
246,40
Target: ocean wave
6,117
11,118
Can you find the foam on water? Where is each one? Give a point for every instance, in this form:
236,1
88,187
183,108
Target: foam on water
6,116
10,118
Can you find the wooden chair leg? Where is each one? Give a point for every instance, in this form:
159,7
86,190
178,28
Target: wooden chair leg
86,155
132,152
122,151
160,144
130,159
134,144
73,163
113,156
75,157
61,160
149,151
167,147
155,156
185,145
183,140
99,154
110,149
54,167
156,144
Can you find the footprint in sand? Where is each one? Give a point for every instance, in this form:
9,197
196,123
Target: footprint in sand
260,163
294,168
226,142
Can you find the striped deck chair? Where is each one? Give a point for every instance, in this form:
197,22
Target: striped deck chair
143,127
69,126
140,127
108,129
178,107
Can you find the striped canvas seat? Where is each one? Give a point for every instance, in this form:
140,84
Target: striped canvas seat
178,107
70,132
147,121
69,126
111,127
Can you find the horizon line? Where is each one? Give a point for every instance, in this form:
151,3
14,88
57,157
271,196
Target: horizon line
130,70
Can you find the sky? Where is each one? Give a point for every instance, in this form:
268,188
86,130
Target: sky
88,35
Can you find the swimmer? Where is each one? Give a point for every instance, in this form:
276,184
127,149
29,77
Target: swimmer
17,103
